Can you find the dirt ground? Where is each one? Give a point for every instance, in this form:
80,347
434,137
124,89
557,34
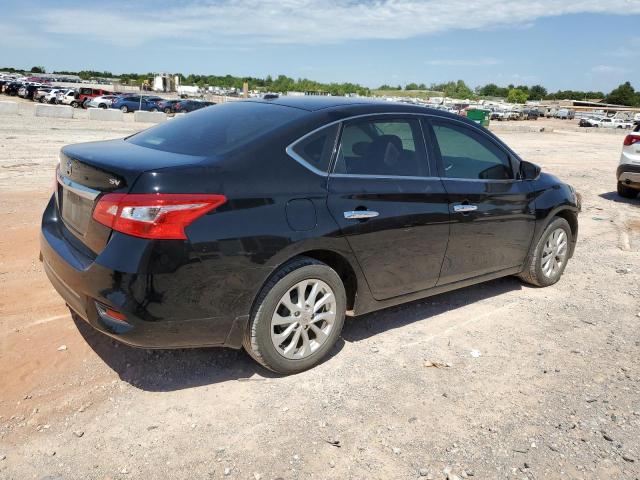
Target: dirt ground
554,393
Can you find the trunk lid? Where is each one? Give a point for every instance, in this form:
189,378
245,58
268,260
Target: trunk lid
88,170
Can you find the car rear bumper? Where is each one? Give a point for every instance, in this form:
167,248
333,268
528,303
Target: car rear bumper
85,284
629,175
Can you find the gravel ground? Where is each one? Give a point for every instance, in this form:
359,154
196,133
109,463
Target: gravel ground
494,381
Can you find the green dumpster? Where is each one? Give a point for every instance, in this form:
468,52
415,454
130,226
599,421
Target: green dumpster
479,116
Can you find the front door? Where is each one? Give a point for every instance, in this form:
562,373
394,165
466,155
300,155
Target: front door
389,204
492,212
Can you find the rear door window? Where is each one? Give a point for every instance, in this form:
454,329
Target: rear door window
317,148
382,147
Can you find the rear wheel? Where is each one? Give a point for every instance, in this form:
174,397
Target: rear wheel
297,318
167,111
626,192
550,256
74,104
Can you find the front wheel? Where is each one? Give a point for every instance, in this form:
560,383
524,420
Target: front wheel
626,192
549,259
298,317
124,109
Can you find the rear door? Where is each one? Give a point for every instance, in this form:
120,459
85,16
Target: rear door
492,212
389,204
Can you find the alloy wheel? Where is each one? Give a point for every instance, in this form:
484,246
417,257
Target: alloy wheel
554,253
303,319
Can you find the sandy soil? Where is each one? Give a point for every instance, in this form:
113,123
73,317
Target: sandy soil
555,392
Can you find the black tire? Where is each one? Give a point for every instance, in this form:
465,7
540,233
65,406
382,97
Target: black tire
626,192
124,109
167,111
74,104
257,340
532,273
103,106
154,109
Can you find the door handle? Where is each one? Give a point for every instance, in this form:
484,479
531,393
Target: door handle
465,208
360,214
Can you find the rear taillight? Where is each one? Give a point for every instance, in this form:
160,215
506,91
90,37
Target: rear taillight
157,216
631,139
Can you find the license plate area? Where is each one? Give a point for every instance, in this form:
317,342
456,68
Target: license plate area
76,211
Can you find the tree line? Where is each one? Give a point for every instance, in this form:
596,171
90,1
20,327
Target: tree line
624,94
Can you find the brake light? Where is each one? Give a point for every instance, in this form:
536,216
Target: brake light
156,216
631,139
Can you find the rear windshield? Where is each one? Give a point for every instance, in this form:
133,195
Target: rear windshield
217,129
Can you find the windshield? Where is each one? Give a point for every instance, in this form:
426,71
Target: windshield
217,129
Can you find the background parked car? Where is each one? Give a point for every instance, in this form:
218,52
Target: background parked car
67,97
184,106
628,172
41,93
166,106
12,88
104,101
52,96
85,94
30,91
134,103
565,114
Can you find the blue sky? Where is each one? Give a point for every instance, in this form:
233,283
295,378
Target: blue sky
585,45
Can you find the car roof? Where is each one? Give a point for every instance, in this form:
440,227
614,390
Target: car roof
353,105
315,102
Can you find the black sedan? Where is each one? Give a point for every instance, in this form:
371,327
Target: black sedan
185,106
166,106
260,224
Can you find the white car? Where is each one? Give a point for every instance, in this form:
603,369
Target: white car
66,97
51,96
604,123
621,123
628,173
103,101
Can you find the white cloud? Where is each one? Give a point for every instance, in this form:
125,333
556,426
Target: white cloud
608,70
464,62
309,22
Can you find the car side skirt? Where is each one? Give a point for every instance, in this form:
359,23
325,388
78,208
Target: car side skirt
368,305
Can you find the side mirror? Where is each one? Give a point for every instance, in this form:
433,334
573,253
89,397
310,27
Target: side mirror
529,171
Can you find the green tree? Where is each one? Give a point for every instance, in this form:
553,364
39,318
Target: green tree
517,95
625,94
457,89
37,70
537,92
411,86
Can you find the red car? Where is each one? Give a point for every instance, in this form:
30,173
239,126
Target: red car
84,94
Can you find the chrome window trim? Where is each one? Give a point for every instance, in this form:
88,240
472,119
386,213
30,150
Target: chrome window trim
308,166
391,177
78,189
